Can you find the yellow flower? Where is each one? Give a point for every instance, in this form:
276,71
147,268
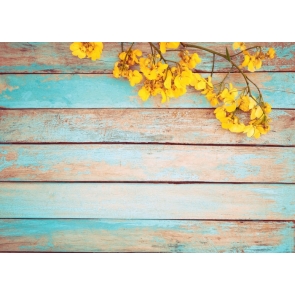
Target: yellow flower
213,98
176,92
144,93
256,112
239,45
95,50
91,50
153,88
78,49
228,95
220,113
117,71
209,85
164,96
229,122
151,70
266,108
271,53
253,62
131,56
264,128
252,130
198,82
169,45
189,60
168,80
120,70
236,126
183,79
134,77
246,103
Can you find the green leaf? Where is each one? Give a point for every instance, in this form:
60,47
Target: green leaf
227,54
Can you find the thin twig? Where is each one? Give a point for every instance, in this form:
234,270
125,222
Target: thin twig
245,50
213,65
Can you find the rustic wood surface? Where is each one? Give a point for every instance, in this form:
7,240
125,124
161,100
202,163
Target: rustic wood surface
179,126
95,235
86,166
145,162
148,201
105,91
32,57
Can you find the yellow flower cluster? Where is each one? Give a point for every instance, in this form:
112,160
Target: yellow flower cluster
169,45
122,67
160,77
229,102
232,103
253,61
90,50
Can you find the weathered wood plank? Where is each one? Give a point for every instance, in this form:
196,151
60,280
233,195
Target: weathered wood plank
105,91
32,57
145,162
190,126
148,201
84,235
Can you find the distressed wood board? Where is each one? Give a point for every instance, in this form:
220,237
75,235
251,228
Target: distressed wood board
148,201
177,126
55,57
105,91
86,166
95,235
146,162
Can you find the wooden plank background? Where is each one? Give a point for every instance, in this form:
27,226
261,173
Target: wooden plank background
105,91
86,166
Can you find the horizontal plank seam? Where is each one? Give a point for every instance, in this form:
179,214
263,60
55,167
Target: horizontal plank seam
137,109
148,182
109,72
139,143
158,219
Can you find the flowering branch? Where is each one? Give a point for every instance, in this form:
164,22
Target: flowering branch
229,60
160,78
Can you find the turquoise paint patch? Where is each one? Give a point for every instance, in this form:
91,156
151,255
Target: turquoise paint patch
285,53
242,166
35,227
3,162
279,90
282,197
45,229
286,245
104,91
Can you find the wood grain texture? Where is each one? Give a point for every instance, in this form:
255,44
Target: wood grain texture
92,235
32,57
144,162
189,126
147,201
105,91
44,216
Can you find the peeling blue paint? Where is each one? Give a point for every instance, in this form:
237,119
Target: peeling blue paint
104,91
197,235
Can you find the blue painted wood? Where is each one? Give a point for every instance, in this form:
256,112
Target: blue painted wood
138,163
93,235
182,126
53,57
105,91
147,201
144,162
